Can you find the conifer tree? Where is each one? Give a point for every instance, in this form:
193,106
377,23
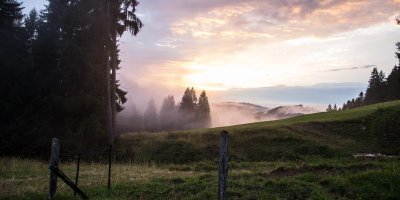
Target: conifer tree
120,18
14,67
168,114
375,86
136,120
393,80
188,109
10,14
348,105
150,118
329,109
353,103
31,25
360,99
187,106
194,97
203,110
344,107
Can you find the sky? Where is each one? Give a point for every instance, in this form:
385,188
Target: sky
225,45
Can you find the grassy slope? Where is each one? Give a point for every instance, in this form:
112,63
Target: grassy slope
307,157
321,134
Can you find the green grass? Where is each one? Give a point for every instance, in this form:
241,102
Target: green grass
333,134
348,178
305,157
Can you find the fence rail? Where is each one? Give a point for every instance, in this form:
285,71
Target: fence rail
56,172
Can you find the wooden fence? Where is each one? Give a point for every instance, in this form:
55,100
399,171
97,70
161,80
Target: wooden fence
55,172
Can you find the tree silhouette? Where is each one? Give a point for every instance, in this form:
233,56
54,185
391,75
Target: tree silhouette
329,109
375,86
136,120
187,104
150,118
203,110
168,114
10,14
15,118
31,25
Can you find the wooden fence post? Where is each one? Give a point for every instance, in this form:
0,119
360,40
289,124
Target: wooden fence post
55,152
223,166
109,167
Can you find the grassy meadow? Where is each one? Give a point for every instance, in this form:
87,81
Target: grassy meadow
305,157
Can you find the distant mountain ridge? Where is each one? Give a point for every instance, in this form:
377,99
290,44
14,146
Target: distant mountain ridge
232,113
282,112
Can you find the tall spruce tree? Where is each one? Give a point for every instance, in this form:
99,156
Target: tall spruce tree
393,80
10,14
31,23
53,71
168,114
136,120
187,104
15,121
187,109
375,87
120,18
150,118
203,110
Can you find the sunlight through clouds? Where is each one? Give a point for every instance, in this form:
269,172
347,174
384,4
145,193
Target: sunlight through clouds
234,44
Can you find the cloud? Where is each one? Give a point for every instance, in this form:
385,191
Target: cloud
350,68
323,93
284,19
251,36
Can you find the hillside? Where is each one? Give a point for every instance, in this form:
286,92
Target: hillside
364,129
304,157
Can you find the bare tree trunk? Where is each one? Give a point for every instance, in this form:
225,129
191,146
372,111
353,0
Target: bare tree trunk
109,102
113,87
108,89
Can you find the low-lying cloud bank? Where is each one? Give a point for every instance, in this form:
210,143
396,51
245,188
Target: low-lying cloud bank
267,103
232,113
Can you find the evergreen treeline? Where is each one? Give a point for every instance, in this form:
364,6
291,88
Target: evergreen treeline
380,88
191,112
59,73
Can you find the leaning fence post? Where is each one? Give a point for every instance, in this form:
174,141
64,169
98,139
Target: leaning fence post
223,166
55,152
77,172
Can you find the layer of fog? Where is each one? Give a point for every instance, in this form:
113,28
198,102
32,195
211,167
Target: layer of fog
222,113
233,113
315,98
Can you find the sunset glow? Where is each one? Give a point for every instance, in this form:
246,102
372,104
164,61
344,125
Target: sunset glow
219,45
